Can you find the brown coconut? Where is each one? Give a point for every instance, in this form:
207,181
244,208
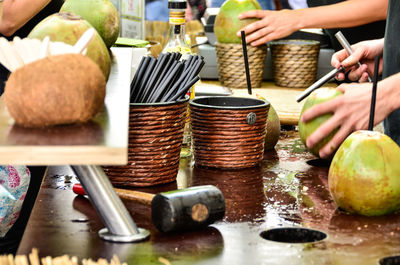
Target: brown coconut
61,89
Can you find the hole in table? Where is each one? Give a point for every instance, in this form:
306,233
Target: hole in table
293,235
319,162
392,260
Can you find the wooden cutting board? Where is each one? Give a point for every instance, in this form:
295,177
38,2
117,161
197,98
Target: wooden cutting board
283,99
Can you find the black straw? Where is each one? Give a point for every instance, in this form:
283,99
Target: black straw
166,78
373,97
246,62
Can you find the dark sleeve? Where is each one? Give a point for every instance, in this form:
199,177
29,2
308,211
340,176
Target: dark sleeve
375,30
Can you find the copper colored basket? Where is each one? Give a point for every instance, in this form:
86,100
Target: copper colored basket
228,132
294,62
230,63
155,140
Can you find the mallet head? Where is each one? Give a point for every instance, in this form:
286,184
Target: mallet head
187,209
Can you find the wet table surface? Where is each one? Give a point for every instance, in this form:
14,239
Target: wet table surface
288,189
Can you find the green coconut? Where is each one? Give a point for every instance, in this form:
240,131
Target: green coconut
273,129
306,129
68,28
227,22
101,14
364,176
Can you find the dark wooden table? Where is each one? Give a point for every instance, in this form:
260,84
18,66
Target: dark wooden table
288,189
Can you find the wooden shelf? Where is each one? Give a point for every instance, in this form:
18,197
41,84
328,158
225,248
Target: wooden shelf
102,141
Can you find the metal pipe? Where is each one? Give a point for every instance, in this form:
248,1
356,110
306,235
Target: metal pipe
119,225
346,45
319,83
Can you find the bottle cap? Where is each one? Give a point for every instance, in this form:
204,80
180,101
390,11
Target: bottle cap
177,4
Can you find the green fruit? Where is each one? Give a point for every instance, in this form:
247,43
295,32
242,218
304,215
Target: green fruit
227,22
273,129
306,129
364,176
68,28
101,14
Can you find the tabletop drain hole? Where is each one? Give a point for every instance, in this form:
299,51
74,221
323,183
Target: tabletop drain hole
319,162
293,235
392,260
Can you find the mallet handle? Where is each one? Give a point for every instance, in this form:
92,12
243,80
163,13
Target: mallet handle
136,196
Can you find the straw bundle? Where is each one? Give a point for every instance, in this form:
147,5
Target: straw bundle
295,62
231,67
61,260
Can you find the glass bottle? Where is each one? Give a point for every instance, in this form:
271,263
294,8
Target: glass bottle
176,35
177,43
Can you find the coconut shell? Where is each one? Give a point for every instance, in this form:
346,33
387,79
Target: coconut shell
62,89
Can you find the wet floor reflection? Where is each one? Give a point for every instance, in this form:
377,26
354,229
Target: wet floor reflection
242,189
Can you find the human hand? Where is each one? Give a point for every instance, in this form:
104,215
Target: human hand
363,52
272,25
350,112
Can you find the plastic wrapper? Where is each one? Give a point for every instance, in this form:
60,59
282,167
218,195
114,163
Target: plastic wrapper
14,183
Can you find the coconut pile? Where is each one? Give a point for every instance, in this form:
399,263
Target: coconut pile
60,86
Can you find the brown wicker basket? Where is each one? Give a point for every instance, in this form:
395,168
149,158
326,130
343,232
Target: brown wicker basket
230,63
228,132
294,62
155,140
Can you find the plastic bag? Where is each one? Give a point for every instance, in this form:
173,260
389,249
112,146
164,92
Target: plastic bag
14,183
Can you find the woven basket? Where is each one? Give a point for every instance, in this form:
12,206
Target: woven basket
155,140
223,134
294,62
231,68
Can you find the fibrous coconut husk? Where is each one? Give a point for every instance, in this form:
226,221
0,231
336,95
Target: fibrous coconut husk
62,89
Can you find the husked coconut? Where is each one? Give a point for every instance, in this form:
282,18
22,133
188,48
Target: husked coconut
61,89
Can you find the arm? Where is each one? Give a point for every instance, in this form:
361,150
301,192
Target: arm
17,12
351,111
279,24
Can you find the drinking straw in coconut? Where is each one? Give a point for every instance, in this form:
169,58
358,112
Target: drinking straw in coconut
84,40
373,97
246,62
44,49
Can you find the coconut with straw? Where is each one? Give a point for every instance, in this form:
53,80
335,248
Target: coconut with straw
51,83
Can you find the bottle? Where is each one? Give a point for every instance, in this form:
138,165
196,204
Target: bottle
177,43
176,36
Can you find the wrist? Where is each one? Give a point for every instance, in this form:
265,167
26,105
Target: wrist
300,21
390,93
